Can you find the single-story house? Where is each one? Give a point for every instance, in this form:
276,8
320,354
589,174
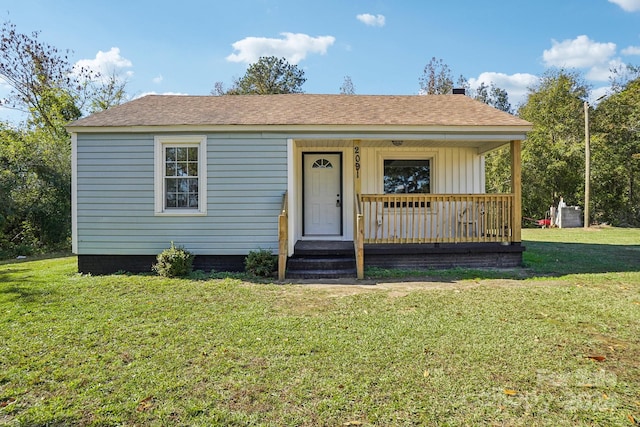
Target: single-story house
387,181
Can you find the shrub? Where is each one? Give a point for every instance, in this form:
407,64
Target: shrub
174,262
261,263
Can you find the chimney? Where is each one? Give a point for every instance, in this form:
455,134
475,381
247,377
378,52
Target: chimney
458,91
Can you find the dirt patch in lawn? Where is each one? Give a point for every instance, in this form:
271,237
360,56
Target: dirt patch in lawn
400,288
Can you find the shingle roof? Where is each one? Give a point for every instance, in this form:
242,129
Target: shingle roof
302,109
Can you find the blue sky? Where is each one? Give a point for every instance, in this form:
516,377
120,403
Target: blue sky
383,45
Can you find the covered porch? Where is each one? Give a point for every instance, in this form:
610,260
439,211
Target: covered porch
411,230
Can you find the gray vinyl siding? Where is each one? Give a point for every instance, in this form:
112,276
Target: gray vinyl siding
246,177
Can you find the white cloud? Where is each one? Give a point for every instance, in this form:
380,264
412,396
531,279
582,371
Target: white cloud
627,5
371,20
516,85
581,52
293,47
107,64
631,50
602,72
156,93
157,80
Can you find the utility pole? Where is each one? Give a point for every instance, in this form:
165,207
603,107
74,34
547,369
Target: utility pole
587,164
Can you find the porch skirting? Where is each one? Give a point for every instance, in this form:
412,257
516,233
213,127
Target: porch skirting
405,256
109,264
443,255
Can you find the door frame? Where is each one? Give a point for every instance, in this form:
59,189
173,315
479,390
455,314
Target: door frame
341,172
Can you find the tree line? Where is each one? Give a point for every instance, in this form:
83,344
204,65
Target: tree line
35,155
553,155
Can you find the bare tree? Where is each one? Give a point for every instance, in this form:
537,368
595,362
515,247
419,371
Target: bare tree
347,87
436,78
43,82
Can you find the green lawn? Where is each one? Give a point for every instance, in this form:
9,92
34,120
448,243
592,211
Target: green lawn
556,343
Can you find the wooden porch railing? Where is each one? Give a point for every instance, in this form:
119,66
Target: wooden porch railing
358,240
437,218
283,237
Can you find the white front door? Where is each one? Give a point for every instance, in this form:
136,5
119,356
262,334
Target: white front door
322,194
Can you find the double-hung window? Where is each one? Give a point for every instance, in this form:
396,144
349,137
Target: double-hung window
180,175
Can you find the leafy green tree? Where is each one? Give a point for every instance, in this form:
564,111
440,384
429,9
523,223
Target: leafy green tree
622,75
7,177
482,94
492,95
498,171
270,75
36,193
615,157
500,99
498,162
553,155
35,156
106,92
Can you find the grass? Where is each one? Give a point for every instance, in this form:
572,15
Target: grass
553,252
556,343
574,250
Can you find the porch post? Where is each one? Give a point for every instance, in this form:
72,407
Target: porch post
359,244
283,241
358,218
516,190
357,180
357,183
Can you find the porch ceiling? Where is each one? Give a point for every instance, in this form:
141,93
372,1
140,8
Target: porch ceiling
481,145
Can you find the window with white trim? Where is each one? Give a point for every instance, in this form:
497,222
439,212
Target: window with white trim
181,175
407,176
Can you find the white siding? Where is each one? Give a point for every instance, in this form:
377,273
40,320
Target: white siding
246,177
453,169
457,170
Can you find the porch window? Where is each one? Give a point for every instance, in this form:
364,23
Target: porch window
180,185
407,176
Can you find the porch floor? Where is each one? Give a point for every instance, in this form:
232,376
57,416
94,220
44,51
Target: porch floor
334,247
